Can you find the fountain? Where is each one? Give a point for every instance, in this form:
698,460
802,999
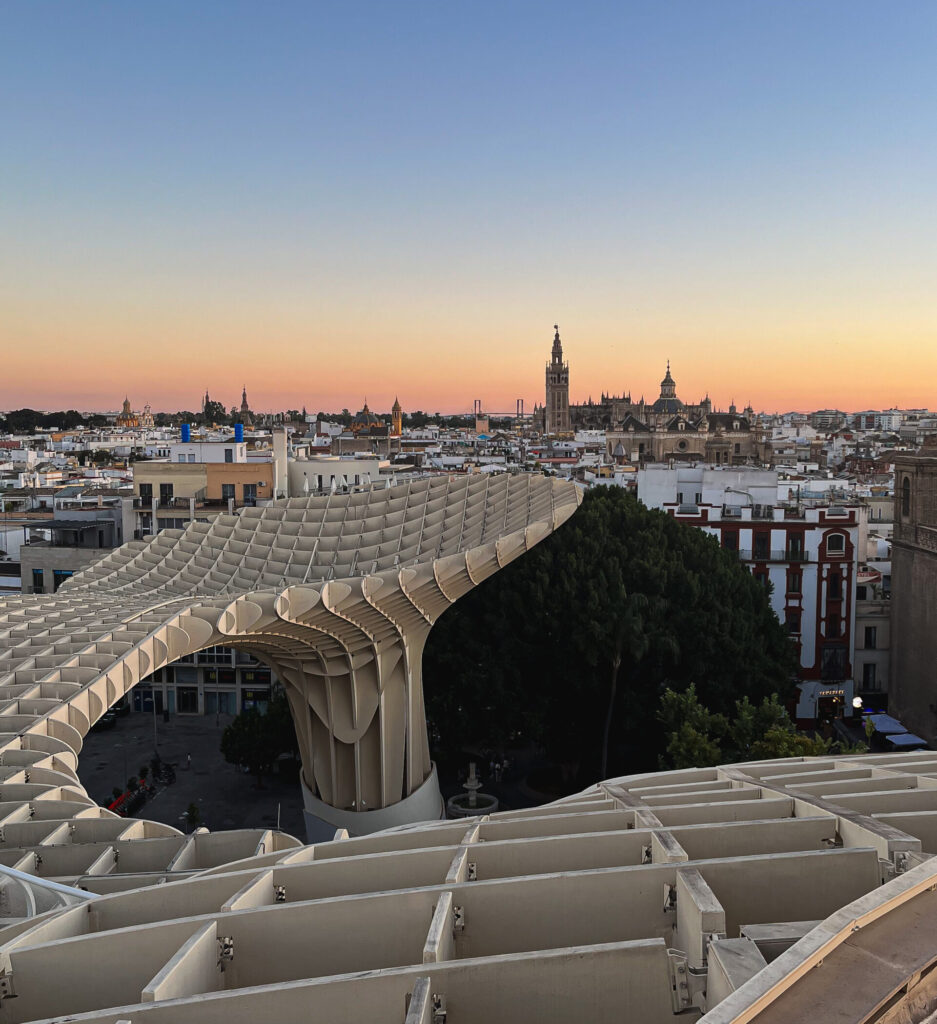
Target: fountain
470,803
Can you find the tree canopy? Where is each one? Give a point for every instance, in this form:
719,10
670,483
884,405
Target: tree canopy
26,421
574,645
255,740
697,738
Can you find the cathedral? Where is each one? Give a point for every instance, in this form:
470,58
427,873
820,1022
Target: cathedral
127,417
655,431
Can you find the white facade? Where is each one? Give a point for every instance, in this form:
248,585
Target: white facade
208,451
702,485
324,473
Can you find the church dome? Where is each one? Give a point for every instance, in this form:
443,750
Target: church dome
366,418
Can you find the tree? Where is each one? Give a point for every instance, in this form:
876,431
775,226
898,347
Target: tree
254,740
214,412
694,733
572,646
699,739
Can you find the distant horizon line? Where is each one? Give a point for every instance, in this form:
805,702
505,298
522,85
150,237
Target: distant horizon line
468,413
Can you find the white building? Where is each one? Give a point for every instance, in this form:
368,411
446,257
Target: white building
809,556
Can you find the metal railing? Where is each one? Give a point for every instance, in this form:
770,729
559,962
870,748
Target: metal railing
776,555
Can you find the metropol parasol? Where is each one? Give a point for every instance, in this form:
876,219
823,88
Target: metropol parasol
789,890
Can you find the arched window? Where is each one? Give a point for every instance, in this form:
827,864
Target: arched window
906,496
835,542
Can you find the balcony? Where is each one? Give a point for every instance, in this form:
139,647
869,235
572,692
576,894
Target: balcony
758,512
778,555
183,504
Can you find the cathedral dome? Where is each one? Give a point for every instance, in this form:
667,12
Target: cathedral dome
668,401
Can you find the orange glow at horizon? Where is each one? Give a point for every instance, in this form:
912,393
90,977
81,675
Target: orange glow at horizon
446,372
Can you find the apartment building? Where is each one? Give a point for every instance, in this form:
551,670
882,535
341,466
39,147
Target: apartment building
808,555
199,480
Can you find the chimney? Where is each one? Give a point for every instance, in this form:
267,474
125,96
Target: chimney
280,464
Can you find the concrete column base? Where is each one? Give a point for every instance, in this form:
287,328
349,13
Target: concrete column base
323,820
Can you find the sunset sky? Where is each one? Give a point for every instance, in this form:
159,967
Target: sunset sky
331,201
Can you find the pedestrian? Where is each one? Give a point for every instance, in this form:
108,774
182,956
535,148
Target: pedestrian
188,760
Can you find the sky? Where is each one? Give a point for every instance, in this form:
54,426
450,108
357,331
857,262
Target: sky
328,202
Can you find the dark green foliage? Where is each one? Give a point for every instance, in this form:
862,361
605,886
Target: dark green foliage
214,412
25,421
582,636
255,741
696,738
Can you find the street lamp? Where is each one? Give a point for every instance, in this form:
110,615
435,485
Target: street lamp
857,702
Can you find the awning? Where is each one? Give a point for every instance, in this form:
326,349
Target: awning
76,524
886,725
907,739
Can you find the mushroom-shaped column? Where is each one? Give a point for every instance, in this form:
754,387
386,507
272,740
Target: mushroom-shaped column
349,653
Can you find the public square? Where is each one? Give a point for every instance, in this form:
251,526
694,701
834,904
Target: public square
227,798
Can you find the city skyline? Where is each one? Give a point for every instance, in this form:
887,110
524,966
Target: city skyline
330,203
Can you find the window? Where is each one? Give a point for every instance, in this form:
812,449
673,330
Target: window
833,661
832,625
870,637
39,583
793,582
730,541
192,457
250,494
187,700
762,578
792,620
906,496
762,547
228,455
255,699
738,449
165,494
835,542
795,548
181,458
679,497
146,494
834,587
699,497
869,682
227,492
59,576
861,593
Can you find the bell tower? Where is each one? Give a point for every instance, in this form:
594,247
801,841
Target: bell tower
557,383
396,419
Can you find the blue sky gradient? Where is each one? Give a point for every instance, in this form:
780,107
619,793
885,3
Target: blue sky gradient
328,200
